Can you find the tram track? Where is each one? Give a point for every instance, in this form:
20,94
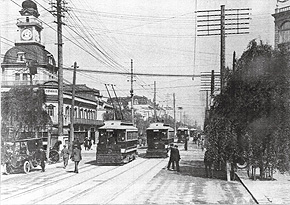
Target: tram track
51,189
65,177
100,192
78,195
129,185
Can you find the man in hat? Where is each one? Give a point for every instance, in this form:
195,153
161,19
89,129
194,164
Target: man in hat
176,157
76,157
41,156
171,148
65,156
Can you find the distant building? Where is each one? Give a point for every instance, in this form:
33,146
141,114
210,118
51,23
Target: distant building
282,24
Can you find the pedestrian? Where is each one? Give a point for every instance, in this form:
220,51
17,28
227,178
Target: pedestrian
90,144
185,144
202,144
208,161
65,156
76,157
171,149
41,156
176,157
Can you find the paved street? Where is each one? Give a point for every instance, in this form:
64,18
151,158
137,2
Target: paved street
142,181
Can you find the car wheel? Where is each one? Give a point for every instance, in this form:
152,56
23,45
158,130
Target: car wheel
7,169
26,167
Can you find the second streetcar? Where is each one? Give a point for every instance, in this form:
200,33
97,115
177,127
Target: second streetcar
159,136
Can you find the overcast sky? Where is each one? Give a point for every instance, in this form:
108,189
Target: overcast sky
159,35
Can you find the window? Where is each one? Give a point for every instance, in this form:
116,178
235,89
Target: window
21,57
50,110
284,32
17,76
25,77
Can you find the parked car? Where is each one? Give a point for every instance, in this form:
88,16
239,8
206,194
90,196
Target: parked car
23,155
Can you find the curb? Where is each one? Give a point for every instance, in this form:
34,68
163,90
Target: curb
247,188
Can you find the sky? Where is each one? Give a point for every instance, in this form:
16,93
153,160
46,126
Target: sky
159,36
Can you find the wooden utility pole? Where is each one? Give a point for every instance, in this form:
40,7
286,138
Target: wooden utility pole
222,54
234,61
60,66
234,21
132,93
174,113
73,105
154,102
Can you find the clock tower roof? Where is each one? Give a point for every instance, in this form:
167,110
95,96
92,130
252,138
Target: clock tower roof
33,52
29,8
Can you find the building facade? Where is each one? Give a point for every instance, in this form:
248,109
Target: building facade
282,25
29,64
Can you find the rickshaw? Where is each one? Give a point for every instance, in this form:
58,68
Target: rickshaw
22,156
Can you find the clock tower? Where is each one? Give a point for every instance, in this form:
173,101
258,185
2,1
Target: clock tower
29,25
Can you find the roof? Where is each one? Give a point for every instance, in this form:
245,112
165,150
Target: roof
182,128
33,51
159,125
118,124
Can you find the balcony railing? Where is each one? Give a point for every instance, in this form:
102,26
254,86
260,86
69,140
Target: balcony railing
283,9
87,121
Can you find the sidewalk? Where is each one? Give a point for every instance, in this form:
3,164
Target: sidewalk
267,192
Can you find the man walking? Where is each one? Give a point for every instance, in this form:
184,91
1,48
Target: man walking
76,157
65,156
176,157
185,143
41,156
171,157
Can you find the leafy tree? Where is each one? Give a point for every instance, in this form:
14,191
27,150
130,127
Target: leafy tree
251,116
22,112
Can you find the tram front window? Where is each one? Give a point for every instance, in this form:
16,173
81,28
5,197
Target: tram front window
102,138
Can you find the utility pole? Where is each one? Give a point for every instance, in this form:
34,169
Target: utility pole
174,114
212,87
59,10
132,93
222,54
230,20
234,61
154,102
73,105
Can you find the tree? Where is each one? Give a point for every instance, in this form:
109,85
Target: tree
253,110
22,112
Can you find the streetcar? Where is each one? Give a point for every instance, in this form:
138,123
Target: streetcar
193,134
182,134
159,136
117,143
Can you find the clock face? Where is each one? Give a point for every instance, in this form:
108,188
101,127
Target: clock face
26,34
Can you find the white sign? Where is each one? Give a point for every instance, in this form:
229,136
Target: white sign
51,91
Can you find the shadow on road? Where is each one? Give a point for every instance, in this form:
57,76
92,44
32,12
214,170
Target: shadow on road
196,169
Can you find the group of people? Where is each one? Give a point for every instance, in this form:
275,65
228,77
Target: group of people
75,155
174,158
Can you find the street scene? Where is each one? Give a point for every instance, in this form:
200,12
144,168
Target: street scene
145,102
143,181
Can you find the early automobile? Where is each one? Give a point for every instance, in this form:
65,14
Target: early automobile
22,155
